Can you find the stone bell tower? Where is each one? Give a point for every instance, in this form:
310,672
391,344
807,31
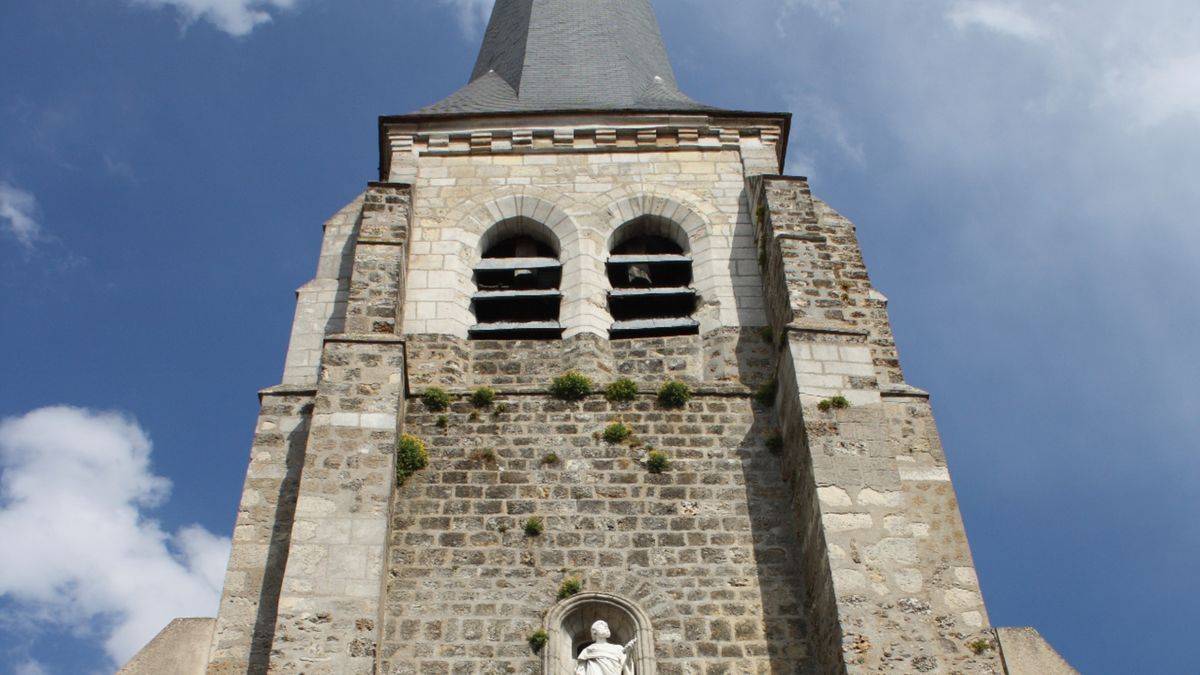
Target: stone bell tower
761,491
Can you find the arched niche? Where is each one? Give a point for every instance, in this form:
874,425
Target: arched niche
569,627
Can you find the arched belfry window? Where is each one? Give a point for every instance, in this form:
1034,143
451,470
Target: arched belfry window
517,283
650,270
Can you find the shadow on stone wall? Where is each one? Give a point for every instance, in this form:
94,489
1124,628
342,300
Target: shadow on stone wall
277,553
772,527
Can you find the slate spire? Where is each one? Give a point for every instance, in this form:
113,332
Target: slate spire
547,55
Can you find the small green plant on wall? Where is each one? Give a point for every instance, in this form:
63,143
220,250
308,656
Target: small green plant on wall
674,394
657,461
443,421
411,457
766,394
550,459
835,403
621,391
616,433
980,646
537,641
572,386
534,527
569,587
436,399
483,397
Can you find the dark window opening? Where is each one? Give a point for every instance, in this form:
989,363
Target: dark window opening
651,278
517,291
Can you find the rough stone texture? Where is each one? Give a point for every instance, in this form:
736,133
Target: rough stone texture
180,649
723,356
1026,652
707,548
262,534
844,552
329,603
328,610
377,279
893,586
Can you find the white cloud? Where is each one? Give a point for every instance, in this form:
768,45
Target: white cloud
472,15
825,133
29,667
79,548
1157,92
17,211
998,17
236,17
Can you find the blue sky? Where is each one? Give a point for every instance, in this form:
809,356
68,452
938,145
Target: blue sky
1023,175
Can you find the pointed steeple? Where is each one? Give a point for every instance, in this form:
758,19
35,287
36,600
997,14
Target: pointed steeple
544,55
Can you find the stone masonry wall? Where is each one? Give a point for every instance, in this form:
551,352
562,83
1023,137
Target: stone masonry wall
262,535
727,355
892,584
707,548
329,605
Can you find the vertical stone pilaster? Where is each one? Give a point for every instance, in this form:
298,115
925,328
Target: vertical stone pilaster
329,605
376,283
893,583
261,537
328,618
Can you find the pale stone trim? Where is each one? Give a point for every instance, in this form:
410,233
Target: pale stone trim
557,657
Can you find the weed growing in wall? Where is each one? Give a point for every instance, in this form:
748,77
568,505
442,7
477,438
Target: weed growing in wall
621,391
551,458
537,641
657,461
835,403
616,432
483,397
571,386
443,421
436,399
674,394
534,527
980,646
569,587
411,457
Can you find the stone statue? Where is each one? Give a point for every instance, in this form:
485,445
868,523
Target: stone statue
603,658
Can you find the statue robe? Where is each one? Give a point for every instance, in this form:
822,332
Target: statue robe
603,659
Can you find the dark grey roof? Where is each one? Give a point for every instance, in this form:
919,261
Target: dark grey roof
570,55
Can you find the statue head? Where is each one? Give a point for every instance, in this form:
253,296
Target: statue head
600,631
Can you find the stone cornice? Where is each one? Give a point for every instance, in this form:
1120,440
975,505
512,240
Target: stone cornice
584,132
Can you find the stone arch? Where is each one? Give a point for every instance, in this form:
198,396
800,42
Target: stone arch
440,288
678,214
568,621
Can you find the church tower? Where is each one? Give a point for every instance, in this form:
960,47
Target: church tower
583,354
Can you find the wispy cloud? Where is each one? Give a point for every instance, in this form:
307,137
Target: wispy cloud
472,15
1156,92
18,210
826,135
29,667
80,549
999,17
235,17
